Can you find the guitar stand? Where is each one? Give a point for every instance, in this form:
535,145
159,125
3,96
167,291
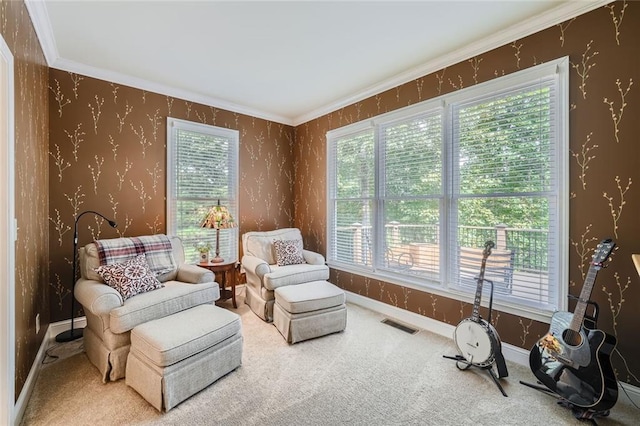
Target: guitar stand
502,368
580,413
459,359
539,388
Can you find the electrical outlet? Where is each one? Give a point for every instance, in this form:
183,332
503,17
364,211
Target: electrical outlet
37,323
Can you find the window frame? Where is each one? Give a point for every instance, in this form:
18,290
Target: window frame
229,246
560,69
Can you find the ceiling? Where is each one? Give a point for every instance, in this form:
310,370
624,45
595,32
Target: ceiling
284,61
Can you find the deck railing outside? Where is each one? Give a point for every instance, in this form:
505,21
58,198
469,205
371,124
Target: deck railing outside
529,246
414,250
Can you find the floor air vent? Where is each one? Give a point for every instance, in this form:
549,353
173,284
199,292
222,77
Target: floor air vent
399,326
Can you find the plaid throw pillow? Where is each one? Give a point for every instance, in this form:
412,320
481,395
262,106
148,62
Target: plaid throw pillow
288,252
130,278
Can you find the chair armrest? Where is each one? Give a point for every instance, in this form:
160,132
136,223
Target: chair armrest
255,265
96,297
312,257
194,274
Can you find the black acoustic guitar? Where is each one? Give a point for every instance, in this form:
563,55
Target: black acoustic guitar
573,361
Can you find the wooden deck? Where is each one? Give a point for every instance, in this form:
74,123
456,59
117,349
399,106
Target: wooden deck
424,259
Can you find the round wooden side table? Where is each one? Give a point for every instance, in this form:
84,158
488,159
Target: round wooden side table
222,271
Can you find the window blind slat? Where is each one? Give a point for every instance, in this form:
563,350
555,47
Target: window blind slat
503,141
412,155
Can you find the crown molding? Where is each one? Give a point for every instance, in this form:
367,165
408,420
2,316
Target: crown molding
163,89
42,24
567,10
563,12
40,17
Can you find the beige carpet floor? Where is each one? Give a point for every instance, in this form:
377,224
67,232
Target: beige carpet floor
370,374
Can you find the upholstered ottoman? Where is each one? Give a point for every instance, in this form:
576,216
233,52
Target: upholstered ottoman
174,357
309,310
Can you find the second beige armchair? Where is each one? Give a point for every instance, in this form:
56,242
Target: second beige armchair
274,259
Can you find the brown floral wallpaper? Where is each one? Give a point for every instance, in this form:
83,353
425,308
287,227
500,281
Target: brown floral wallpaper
107,152
83,143
604,172
31,180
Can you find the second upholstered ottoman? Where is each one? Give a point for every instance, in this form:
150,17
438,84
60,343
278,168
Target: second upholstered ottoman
309,310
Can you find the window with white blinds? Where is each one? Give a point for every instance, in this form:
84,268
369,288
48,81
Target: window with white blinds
415,195
505,189
202,168
352,183
411,194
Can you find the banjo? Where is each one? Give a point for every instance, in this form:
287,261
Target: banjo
476,339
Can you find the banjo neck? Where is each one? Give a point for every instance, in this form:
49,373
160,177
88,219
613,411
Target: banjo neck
475,316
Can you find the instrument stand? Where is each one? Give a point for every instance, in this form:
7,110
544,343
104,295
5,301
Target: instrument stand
580,413
501,366
466,364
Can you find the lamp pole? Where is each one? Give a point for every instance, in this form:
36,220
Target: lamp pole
216,224
73,334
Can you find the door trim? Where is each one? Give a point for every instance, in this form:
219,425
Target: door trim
8,235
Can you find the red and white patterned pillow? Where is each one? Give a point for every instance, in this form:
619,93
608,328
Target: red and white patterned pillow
288,252
131,277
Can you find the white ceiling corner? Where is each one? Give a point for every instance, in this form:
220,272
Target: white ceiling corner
287,62
42,25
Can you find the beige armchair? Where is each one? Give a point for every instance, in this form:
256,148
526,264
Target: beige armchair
264,275
110,319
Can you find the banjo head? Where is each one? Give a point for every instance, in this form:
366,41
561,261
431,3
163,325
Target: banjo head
473,341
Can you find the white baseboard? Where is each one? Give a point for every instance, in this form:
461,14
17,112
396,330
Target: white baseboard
49,338
403,315
29,384
511,353
61,326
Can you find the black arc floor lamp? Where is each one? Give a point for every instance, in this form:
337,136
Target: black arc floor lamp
73,334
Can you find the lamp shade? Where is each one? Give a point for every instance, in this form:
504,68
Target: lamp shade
218,217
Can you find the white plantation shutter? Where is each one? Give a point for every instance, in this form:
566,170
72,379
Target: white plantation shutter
202,168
